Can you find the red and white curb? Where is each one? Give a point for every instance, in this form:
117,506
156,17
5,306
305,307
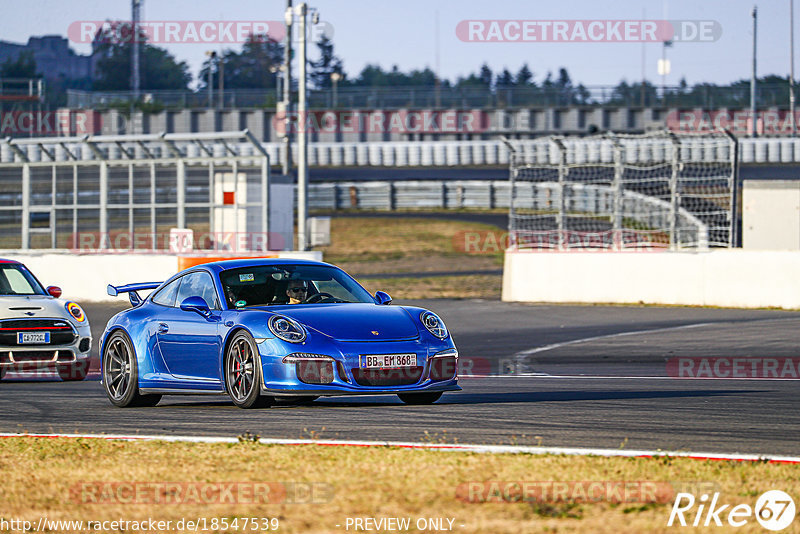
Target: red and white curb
449,447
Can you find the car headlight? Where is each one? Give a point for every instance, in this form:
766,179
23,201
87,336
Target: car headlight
434,325
286,329
296,357
75,312
447,353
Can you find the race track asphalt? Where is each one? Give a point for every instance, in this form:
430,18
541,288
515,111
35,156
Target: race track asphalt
573,376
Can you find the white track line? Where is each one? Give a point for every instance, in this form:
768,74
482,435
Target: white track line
636,332
553,346
450,447
523,354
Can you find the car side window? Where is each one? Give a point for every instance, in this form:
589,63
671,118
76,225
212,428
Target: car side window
199,284
166,297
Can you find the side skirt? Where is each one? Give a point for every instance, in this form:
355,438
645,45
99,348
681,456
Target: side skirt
173,391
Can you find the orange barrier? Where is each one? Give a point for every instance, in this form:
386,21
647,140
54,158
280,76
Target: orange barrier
184,262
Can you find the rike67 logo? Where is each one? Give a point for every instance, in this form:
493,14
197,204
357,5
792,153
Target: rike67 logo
774,510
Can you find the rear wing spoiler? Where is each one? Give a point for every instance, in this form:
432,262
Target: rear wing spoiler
131,290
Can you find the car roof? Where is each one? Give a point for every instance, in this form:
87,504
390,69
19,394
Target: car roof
219,266
3,260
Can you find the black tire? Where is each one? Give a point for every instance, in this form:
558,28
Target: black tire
75,372
2,372
121,373
242,372
420,398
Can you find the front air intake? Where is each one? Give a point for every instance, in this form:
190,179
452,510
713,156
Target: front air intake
443,368
314,372
405,376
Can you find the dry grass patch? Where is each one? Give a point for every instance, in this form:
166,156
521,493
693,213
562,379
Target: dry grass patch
438,287
39,475
361,239
383,245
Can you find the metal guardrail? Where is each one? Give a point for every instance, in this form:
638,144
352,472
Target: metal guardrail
415,153
408,194
583,199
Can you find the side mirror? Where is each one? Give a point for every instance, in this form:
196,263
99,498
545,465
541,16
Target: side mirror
382,297
197,305
54,291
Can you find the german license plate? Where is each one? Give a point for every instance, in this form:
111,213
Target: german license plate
388,361
25,338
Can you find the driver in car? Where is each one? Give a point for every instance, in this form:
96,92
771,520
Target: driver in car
296,291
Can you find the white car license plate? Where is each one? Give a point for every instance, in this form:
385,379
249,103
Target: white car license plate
388,361
24,338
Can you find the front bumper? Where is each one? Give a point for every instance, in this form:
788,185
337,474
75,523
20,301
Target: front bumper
321,392
28,357
281,379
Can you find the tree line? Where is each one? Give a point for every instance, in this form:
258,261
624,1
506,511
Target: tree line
257,66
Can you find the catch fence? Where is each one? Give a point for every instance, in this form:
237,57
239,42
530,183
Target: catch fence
658,190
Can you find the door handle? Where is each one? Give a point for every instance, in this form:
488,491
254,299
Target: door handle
163,328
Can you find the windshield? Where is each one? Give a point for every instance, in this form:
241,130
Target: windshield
16,280
266,285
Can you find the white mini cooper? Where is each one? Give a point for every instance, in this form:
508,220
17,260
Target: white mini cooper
39,330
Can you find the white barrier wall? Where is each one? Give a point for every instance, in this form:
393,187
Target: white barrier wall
771,214
728,278
84,277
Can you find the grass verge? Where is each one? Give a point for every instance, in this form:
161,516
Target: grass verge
383,245
440,287
315,488
360,239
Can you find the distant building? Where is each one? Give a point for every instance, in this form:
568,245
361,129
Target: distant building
54,58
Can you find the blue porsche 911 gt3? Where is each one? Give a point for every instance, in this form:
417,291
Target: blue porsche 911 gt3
265,329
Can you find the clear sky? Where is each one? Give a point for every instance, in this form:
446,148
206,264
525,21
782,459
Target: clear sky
404,33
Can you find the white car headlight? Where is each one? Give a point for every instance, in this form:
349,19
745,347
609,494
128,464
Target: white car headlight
286,329
434,325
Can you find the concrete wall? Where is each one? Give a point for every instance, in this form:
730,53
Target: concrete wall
513,122
84,277
771,215
728,278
